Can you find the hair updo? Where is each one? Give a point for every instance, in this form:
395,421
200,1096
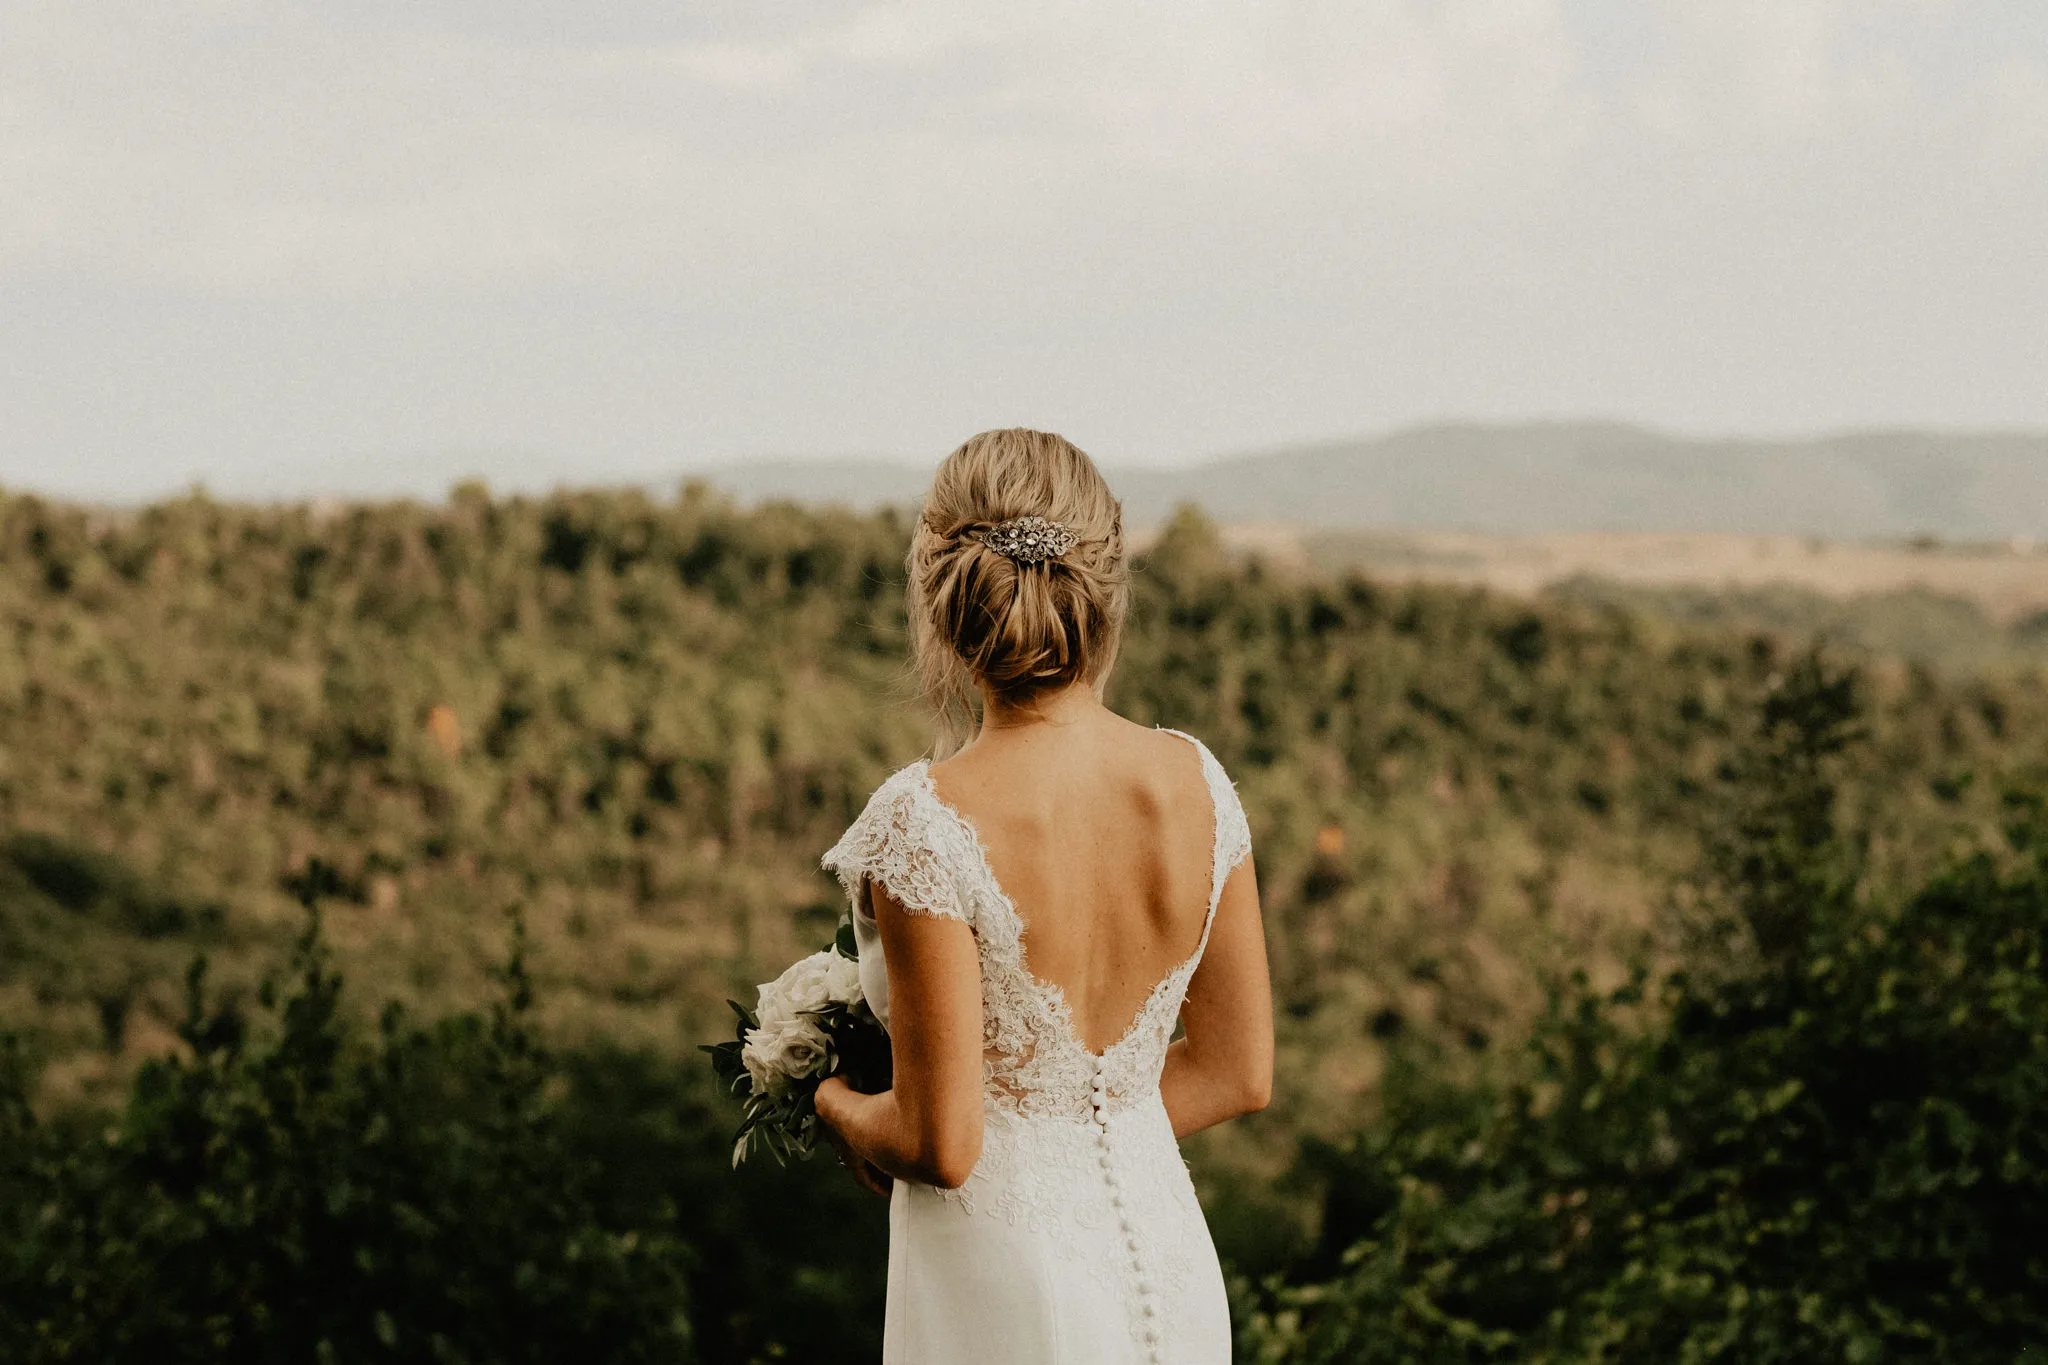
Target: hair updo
979,618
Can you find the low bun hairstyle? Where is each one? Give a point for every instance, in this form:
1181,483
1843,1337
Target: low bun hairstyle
979,618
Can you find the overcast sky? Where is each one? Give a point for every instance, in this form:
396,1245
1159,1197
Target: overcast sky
372,247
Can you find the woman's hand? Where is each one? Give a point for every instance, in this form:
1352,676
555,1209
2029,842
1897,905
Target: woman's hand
832,1093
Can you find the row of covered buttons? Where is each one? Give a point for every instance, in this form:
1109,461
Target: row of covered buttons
1148,1299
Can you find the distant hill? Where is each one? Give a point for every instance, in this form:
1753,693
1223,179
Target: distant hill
1555,476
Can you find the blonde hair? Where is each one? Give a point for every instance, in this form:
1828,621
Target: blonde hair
979,618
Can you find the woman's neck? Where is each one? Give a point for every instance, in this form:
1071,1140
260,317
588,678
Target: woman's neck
1070,705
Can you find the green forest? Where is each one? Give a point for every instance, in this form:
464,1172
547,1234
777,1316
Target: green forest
1647,987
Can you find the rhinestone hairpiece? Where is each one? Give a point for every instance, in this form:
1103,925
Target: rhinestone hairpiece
1028,540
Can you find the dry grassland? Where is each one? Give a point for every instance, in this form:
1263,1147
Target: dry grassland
2008,582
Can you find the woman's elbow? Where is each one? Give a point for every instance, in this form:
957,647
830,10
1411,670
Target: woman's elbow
950,1173
1255,1085
951,1156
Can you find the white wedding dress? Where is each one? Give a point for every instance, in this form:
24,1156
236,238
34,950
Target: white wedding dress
1077,1239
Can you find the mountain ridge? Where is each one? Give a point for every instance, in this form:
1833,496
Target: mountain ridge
1551,476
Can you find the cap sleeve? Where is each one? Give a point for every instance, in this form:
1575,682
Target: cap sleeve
892,843
1233,831
1232,841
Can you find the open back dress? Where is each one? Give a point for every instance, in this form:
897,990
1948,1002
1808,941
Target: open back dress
1076,1240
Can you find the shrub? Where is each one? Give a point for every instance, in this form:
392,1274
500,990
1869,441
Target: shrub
1832,1145
293,1194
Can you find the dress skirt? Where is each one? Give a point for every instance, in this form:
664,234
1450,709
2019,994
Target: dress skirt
1074,1242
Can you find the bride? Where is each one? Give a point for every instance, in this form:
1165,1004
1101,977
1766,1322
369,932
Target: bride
1035,912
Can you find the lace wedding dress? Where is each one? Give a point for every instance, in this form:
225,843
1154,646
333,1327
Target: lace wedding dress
1077,1239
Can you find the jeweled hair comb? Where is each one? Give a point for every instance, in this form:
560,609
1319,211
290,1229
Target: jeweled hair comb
1028,540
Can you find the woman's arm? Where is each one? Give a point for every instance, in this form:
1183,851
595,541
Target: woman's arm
927,1125
1222,1066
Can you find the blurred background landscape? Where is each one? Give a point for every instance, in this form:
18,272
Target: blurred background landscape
1587,465
618,730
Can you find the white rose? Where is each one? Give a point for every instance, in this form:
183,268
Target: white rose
774,1002
842,980
754,1055
805,984
781,1050
803,1050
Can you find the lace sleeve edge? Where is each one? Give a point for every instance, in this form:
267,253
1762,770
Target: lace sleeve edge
885,847
857,877
947,909
1235,842
1233,830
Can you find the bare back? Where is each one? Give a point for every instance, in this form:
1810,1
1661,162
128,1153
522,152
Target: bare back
1101,832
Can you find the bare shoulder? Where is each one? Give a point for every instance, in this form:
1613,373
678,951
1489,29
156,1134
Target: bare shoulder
1152,749
1158,768
1170,763
1153,765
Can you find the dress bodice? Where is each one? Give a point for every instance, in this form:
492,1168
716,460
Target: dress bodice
932,860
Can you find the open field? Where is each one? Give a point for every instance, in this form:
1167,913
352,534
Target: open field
2007,581
1961,607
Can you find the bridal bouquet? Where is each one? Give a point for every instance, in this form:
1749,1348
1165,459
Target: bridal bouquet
811,1022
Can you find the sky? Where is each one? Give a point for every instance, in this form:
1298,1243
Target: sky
289,249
